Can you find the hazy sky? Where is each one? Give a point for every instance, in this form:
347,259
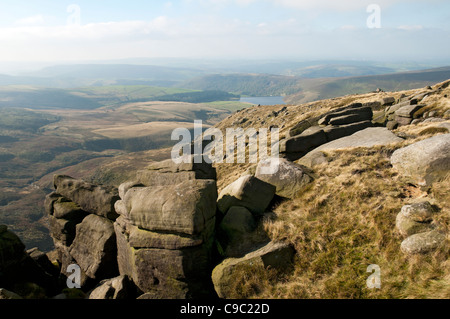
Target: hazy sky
58,30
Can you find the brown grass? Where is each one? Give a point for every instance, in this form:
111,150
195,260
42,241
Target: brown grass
345,220
343,223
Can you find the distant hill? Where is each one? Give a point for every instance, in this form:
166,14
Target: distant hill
317,89
117,71
303,90
245,84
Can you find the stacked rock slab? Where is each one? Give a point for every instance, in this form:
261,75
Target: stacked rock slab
333,125
406,110
81,219
165,231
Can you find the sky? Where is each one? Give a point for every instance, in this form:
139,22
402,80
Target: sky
60,30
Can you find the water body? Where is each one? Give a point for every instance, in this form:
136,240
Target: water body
263,100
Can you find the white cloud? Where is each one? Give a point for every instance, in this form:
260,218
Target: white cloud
31,21
411,27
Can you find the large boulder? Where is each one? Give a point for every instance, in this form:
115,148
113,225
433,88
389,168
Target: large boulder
94,247
335,132
237,222
352,114
369,137
188,207
426,161
408,110
274,255
415,218
175,270
168,172
297,146
247,191
116,288
8,295
423,243
12,253
93,199
289,179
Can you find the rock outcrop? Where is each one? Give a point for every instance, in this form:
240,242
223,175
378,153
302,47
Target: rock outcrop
19,270
165,232
333,125
423,243
289,179
247,191
81,219
424,162
369,137
415,218
274,255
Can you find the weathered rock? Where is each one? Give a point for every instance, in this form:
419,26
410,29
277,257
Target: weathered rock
248,191
164,273
68,210
94,247
394,108
426,161
12,251
360,114
289,179
50,199
391,125
423,243
8,295
237,221
301,127
275,255
408,110
185,208
369,137
140,238
415,218
168,172
374,105
43,261
402,121
17,267
62,230
335,132
94,199
121,208
348,119
116,288
124,187
387,101
303,143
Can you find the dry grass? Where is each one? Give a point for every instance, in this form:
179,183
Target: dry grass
344,222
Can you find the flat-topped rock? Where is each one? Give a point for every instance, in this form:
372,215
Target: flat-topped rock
94,199
247,191
182,208
426,161
368,137
289,179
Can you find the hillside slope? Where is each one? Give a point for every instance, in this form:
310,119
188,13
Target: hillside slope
345,220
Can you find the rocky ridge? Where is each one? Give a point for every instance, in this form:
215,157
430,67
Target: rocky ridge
173,233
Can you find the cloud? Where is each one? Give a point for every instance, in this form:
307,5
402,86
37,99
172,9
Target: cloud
411,27
31,21
91,31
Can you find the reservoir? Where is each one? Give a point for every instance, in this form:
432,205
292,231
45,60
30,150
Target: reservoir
263,100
